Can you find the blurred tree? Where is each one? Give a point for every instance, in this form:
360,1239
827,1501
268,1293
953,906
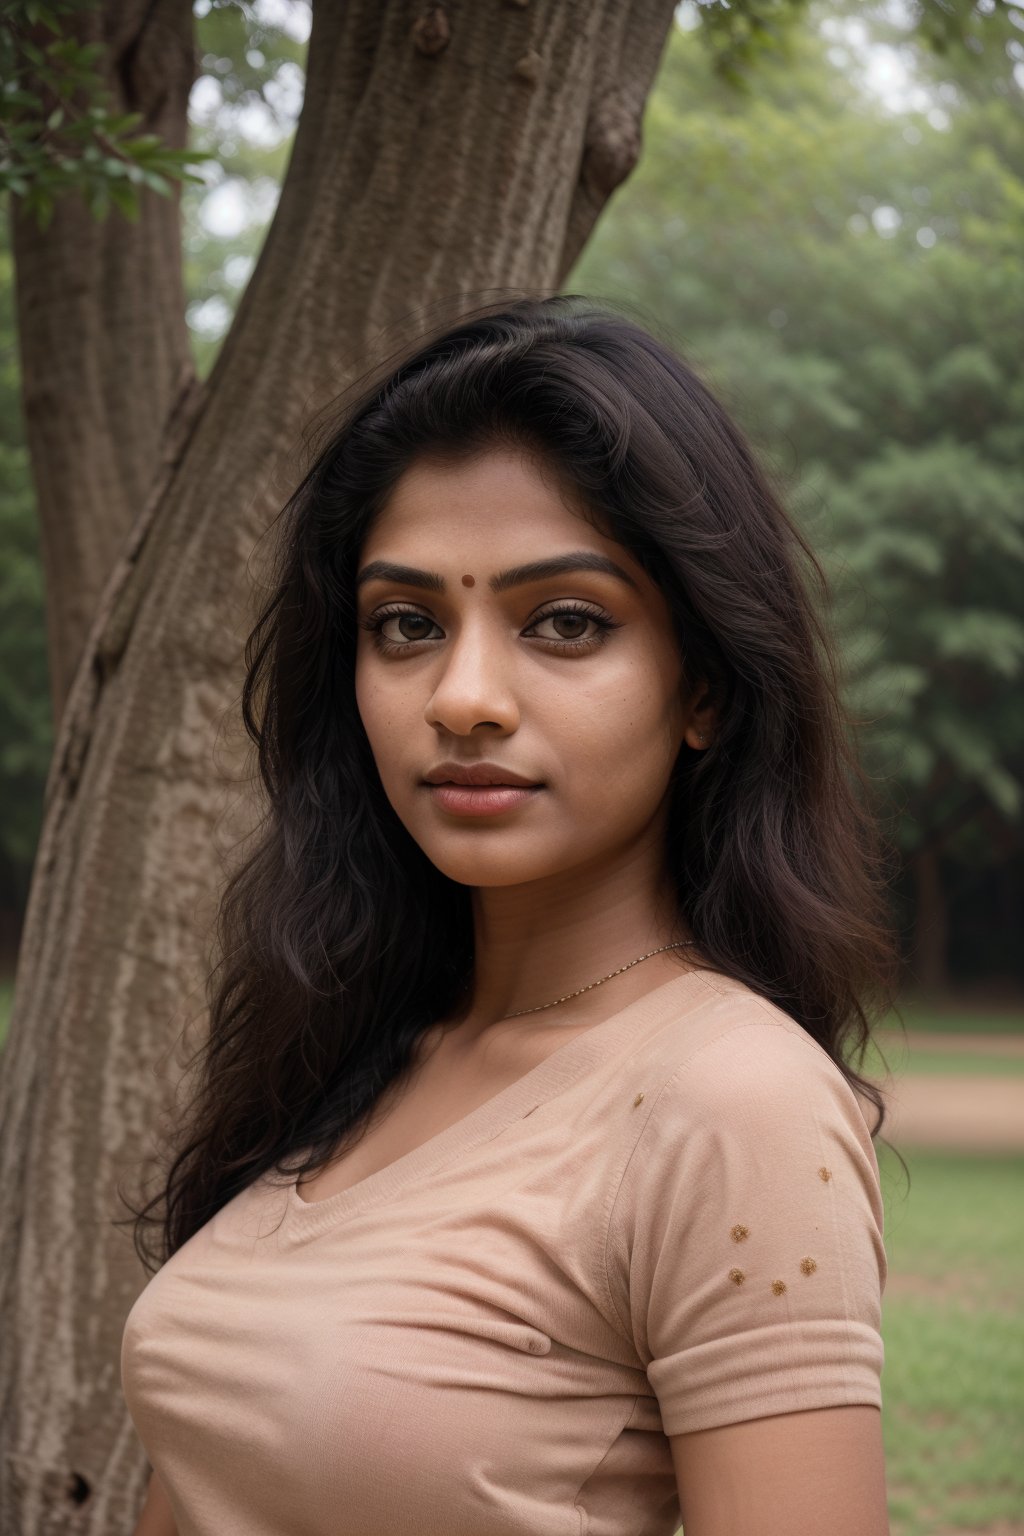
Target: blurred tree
100,305
26,720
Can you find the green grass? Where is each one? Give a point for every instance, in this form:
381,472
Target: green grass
959,1020
953,1383
957,1064
902,1056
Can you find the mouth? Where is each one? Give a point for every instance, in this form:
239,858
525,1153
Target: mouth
480,788
479,776
481,799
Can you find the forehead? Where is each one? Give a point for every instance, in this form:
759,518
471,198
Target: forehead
502,495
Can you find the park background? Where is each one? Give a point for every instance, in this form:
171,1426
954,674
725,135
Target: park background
832,230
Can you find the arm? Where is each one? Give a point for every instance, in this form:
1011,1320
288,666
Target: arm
156,1518
748,1257
793,1474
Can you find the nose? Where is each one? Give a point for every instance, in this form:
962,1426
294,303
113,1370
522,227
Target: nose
474,683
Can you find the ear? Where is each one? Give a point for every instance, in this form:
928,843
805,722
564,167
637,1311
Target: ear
702,722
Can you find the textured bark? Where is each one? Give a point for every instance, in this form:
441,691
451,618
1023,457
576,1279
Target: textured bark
442,151
101,325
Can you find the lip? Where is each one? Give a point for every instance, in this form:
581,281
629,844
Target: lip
478,775
482,799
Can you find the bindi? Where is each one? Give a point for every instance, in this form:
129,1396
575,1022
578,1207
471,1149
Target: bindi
467,581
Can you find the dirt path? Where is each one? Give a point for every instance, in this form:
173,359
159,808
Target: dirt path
978,1114
975,1112
901,1046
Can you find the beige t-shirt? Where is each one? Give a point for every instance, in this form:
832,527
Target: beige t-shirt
672,1222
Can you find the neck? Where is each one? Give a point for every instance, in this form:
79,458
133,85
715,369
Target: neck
535,943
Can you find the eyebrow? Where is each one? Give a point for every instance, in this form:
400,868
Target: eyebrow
515,576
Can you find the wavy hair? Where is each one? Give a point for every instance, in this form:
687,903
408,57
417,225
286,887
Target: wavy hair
341,942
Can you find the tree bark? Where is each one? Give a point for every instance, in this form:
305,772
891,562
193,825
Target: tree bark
931,925
104,347
449,153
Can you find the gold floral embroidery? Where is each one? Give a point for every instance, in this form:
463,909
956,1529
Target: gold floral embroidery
808,1266
638,1100
824,1174
739,1232
737,1276
778,1286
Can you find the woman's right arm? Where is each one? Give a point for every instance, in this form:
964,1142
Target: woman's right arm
156,1518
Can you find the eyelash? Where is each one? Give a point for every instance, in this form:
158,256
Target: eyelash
605,624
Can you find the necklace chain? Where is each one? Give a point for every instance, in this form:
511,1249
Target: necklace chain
682,944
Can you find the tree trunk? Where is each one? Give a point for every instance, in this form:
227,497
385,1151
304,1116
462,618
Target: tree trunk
103,343
451,156
930,967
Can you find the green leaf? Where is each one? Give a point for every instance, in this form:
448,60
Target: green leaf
122,122
158,183
145,145
40,203
1004,790
187,156
126,200
98,199
14,96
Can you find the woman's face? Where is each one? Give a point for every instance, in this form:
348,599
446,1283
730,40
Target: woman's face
463,673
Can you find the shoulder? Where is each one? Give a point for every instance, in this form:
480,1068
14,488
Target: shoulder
741,1062
747,1113
746,1236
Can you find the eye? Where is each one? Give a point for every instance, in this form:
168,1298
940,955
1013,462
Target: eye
395,628
407,617
576,616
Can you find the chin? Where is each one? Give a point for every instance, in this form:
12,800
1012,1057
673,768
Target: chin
497,866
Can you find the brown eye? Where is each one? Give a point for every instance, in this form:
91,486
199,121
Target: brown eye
571,625
576,619
411,626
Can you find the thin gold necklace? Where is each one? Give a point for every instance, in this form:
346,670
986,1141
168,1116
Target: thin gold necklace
681,944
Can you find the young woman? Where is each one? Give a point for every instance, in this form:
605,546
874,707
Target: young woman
528,1186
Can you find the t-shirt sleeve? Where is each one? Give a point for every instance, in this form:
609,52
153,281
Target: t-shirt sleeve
746,1237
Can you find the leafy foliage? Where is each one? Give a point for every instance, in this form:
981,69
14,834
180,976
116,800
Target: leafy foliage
26,712
58,130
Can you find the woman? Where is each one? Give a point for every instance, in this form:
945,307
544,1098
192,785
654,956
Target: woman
527,1187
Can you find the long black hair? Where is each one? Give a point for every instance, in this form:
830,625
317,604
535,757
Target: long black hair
341,942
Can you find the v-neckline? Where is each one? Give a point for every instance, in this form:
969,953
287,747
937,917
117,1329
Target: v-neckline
304,1218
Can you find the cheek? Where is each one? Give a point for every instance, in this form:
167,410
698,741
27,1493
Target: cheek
617,747
379,712
365,701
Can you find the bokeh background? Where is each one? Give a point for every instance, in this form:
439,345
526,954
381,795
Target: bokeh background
833,232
